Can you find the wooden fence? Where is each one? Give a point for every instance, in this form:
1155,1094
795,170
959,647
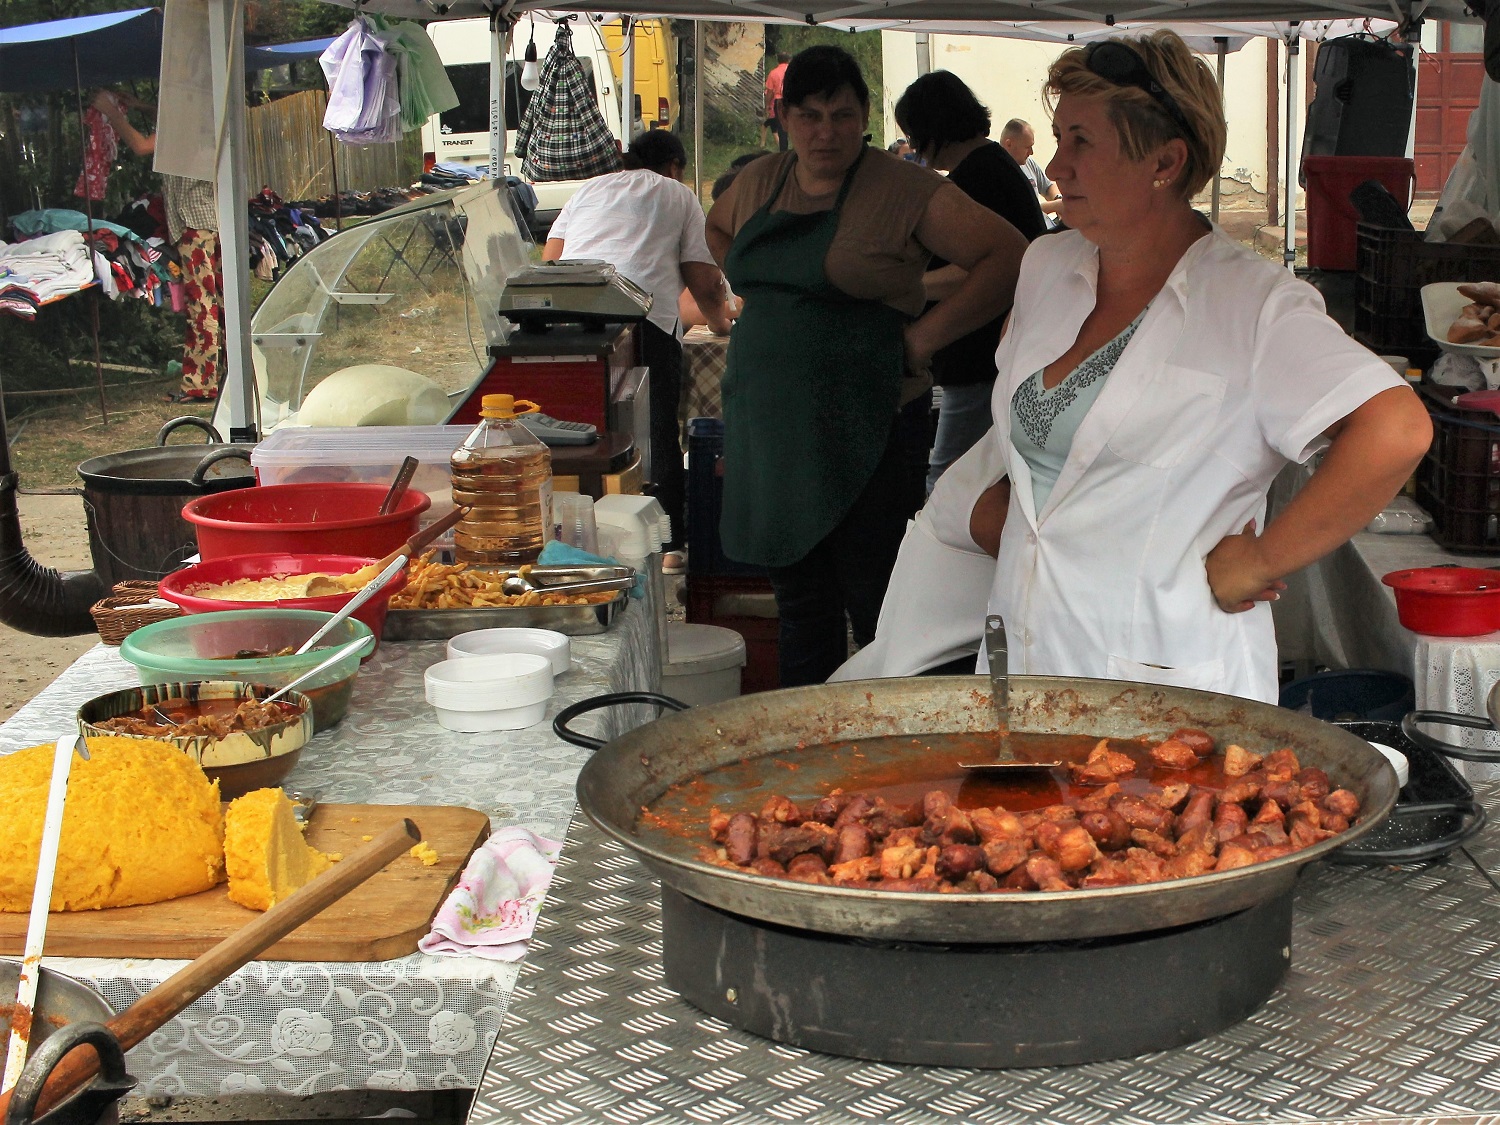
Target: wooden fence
291,151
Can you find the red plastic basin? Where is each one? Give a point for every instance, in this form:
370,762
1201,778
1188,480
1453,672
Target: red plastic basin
304,519
1447,601
174,587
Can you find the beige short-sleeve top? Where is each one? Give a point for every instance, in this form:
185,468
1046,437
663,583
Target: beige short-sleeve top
875,253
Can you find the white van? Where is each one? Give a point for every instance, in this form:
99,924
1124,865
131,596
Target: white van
462,135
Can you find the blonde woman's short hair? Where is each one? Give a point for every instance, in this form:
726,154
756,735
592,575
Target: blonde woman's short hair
1142,122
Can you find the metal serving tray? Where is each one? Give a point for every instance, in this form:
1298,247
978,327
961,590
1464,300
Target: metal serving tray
574,620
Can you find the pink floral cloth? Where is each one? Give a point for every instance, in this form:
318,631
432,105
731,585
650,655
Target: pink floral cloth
494,907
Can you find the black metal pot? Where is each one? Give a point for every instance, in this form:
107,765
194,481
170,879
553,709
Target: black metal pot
134,500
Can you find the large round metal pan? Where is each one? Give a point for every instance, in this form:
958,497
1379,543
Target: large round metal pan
633,771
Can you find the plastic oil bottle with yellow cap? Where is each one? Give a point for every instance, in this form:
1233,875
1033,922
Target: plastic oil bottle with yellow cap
504,474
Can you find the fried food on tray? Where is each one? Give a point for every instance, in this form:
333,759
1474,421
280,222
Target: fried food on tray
1102,836
433,585
1479,322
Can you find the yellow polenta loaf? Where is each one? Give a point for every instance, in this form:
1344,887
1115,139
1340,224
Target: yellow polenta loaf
264,850
141,824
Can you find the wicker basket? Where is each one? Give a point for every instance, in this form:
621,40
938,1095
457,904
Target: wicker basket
125,611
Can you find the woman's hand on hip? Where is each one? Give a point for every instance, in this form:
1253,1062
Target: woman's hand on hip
1238,574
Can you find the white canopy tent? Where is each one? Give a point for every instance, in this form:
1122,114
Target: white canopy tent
1033,18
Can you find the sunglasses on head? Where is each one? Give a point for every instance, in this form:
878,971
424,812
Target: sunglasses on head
1114,62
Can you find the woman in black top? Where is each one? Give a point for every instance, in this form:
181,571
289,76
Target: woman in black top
949,130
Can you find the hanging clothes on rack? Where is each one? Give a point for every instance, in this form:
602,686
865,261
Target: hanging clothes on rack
101,147
562,135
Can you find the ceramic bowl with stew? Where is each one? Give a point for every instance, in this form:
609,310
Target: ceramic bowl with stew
240,759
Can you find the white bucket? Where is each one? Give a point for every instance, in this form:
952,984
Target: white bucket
703,664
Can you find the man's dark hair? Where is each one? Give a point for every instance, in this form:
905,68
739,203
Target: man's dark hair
822,71
747,157
783,56
938,109
656,150
722,184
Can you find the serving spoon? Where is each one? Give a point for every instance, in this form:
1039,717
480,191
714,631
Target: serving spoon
998,653
347,651
368,591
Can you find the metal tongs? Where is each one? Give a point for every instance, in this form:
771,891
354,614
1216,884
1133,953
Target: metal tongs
998,653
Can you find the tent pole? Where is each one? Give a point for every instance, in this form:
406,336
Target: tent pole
226,49
924,53
1289,191
88,206
1222,42
698,108
627,82
500,26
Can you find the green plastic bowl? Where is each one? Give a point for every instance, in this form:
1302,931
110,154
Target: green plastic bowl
193,647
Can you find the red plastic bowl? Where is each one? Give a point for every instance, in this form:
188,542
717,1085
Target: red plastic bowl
174,586
306,519
1447,601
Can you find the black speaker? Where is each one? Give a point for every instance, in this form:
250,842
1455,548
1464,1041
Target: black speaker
1362,103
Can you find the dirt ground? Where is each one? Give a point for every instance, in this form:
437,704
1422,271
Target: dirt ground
55,535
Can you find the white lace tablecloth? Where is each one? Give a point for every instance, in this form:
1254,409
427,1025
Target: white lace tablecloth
413,1023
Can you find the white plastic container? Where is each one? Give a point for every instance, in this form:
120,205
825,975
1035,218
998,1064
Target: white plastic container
634,528
704,663
1398,762
507,691
364,455
490,642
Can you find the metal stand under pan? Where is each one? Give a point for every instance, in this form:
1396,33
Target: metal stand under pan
988,1006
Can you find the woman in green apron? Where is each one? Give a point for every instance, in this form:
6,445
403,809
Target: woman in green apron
827,245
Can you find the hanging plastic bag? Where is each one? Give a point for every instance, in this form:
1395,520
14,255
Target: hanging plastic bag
562,135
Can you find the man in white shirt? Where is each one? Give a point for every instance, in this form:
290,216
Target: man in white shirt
649,225
1019,139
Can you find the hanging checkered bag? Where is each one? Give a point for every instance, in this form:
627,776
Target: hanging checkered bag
562,135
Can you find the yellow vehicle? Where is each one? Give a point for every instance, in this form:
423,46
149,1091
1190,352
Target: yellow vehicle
655,71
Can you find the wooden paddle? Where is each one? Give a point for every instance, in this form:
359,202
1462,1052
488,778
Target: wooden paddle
175,993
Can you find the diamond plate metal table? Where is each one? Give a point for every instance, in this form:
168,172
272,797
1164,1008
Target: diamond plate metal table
1390,1014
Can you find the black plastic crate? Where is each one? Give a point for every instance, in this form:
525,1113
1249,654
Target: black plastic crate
1392,266
1458,481
705,501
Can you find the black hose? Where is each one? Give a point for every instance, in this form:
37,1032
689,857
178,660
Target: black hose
34,598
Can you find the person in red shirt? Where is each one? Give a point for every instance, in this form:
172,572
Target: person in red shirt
773,101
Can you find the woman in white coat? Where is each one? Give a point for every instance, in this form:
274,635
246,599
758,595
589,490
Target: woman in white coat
1154,378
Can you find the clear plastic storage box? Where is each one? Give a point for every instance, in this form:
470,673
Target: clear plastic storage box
366,454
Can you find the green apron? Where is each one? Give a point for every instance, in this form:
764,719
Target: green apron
810,391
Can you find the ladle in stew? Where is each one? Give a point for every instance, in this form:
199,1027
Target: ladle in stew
998,653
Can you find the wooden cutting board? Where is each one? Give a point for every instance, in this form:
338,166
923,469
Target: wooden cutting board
382,918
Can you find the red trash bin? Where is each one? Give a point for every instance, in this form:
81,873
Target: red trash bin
1331,218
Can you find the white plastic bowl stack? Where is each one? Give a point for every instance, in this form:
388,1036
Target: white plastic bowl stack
539,642
505,691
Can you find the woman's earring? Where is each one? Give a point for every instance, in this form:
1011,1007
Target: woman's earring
1160,183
